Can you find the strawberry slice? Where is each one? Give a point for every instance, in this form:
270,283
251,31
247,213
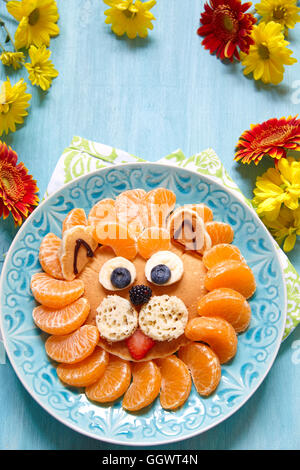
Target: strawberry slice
139,344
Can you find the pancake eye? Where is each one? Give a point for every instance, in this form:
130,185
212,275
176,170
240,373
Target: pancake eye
120,278
117,274
160,274
164,268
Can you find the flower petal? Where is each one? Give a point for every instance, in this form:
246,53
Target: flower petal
289,242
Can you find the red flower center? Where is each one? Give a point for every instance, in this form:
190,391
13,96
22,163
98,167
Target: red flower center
225,22
226,28
274,136
11,182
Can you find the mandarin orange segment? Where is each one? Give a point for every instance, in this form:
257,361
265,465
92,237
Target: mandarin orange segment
221,252
228,304
203,211
55,293
176,382
103,211
159,202
218,333
232,274
130,209
145,386
204,366
113,383
135,228
75,217
49,255
129,204
86,372
153,239
219,232
161,196
118,237
74,347
63,320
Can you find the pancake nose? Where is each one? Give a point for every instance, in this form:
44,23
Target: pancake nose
140,294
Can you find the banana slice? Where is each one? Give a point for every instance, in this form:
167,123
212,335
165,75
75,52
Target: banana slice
187,228
117,274
164,268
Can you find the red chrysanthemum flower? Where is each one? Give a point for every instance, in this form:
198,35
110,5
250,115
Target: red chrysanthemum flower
226,28
273,137
17,188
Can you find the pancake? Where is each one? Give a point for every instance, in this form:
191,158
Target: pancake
190,288
159,350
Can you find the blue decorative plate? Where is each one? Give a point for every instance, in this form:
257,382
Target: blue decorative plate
257,347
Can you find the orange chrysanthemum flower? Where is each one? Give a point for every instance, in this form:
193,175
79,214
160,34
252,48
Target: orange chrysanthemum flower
17,188
273,137
226,28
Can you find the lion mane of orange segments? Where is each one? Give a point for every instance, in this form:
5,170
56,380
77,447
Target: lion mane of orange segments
143,223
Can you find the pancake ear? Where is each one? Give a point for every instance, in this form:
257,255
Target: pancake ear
77,248
188,229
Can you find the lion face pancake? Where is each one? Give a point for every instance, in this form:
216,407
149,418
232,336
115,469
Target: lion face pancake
190,288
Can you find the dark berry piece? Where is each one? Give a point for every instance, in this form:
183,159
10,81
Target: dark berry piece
160,274
140,294
120,278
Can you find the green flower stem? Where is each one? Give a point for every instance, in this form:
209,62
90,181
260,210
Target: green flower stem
2,23
2,47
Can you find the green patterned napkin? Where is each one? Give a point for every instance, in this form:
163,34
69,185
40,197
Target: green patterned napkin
83,156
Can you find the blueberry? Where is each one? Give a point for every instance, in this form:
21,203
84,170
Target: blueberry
160,274
120,278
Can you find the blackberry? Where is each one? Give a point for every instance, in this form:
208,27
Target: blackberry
140,294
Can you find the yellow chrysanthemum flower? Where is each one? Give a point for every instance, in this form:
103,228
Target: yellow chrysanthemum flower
37,21
14,59
278,186
284,12
268,55
286,227
41,70
130,17
13,104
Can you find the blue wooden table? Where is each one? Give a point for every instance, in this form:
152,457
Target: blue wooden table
150,97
